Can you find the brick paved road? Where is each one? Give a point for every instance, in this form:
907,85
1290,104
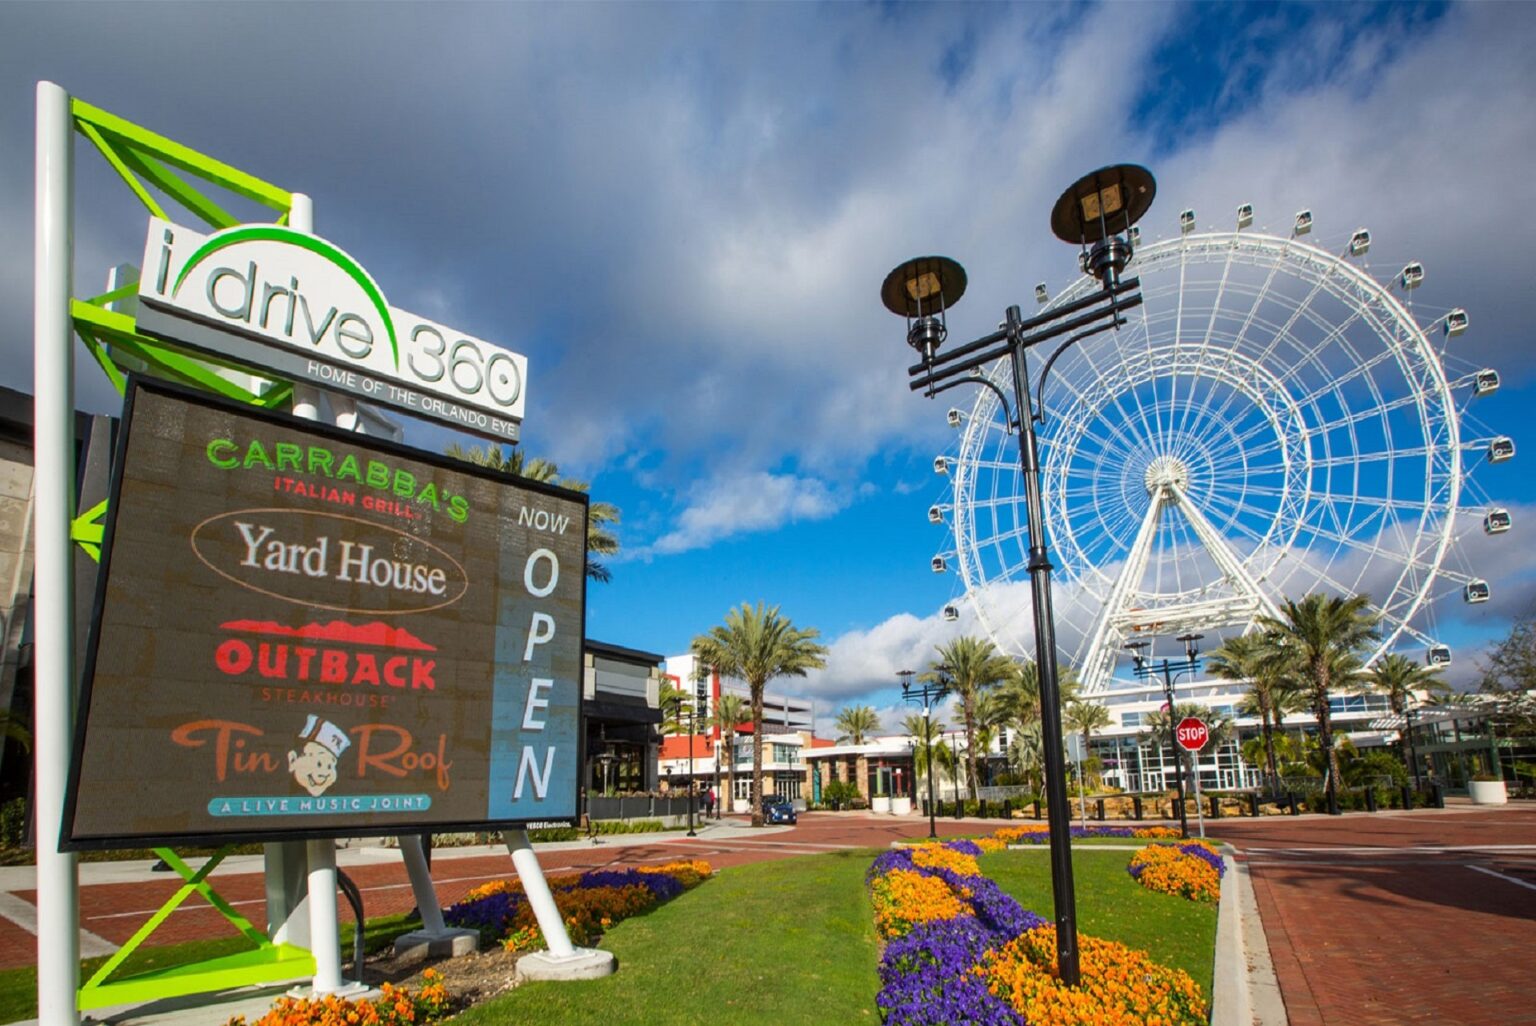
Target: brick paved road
1391,918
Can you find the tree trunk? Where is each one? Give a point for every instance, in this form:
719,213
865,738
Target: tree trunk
1325,737
757,753
1269,744
970,745
730,770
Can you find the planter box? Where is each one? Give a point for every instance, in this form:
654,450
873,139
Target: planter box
1488,792
901,806
880,803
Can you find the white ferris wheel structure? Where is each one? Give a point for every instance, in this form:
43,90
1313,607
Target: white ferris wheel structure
1274,420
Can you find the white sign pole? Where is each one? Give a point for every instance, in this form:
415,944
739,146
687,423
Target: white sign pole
324,931
1194,757
53,653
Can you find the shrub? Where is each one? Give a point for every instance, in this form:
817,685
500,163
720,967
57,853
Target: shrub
13,823
395,1006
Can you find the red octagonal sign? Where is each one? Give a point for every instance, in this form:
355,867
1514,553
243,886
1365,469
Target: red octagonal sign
1192,734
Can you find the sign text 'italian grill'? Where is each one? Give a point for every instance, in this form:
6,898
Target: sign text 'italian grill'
301,631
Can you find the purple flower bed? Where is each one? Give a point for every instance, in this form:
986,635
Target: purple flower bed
925,976
492,915
660,884
1200,851
1079,833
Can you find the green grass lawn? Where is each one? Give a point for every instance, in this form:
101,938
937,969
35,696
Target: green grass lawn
1111,905
791,942
778,943
785,943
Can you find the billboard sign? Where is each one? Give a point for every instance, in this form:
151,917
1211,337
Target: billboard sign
272,297
305,632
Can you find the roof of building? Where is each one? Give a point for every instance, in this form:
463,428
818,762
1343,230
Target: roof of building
628,655
676,747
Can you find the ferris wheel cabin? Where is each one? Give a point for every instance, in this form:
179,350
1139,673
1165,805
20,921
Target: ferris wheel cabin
1456,322
951,614
1438,655
1475,591
1500,449
1496,521
935,515
1485,382
1412,276
1360,242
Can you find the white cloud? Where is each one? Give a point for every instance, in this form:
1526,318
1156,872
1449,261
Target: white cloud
743,504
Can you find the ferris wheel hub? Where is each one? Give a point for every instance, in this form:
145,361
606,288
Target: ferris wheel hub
1164,471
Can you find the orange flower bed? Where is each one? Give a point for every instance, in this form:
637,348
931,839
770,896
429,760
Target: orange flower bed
902,899
1170,869
689,873
937,856
1121,986
396,1006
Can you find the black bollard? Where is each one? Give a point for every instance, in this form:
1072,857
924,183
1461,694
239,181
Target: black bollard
1136,807
1290,796
1407,797
1215,807
1253,805
1100,804
1037,808
1370,799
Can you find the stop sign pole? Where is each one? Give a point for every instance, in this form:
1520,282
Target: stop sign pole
1192,736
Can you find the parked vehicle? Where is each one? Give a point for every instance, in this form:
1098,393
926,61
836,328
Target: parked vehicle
778,809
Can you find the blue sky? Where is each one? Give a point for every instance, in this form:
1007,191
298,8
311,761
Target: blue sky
682,215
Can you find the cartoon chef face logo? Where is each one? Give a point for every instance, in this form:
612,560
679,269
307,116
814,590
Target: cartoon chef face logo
313,765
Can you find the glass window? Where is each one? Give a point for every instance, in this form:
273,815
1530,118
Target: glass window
1130,719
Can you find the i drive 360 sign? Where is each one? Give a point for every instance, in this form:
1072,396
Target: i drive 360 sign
268,296
300,632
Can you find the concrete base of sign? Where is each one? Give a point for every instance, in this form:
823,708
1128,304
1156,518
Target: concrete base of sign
352,990
449,943
584,964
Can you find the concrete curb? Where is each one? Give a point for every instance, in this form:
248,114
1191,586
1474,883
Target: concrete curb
1244,990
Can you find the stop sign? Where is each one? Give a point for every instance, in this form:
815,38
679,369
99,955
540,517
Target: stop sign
1192,734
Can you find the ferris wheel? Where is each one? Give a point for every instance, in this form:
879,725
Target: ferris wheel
1272,421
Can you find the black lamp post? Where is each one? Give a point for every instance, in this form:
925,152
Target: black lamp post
1411,715
927,694
1096,213
1169,671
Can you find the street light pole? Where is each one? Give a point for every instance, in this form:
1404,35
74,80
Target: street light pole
692,790
1098,209
1411,715
1169,671
927,694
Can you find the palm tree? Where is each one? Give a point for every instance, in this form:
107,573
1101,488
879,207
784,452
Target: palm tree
928,748
671,701
757,645
1014,704
1323,635
856,722
1401,679
513,463
730,711
970,667
1255,659
1084,717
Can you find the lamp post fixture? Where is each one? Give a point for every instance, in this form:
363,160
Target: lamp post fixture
926,694
1096,213
1169,671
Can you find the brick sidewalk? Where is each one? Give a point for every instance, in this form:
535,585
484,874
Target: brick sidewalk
1399,934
